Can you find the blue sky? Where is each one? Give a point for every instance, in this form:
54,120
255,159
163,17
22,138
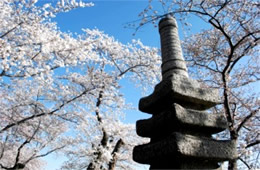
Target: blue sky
111,17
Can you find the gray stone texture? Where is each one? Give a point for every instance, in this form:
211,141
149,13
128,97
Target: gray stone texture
179,119
180,129
172,58
179,145
181,90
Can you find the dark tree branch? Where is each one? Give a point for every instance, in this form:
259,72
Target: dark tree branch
221,7
44,113
247,118
3,147
2,36
17,164
253,144
206,66
23,75
131,68
244,162
221,29
45,154
103,143
2,73
246,36
228,113
112,163
250,46
36,55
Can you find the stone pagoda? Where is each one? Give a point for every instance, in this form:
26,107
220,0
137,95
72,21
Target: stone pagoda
180,129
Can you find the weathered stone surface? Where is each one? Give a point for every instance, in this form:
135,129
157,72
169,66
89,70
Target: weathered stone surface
179,129
172,57
186,146
179,119
184,163
181,90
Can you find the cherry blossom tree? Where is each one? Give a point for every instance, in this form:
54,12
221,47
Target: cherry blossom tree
61,92
225,55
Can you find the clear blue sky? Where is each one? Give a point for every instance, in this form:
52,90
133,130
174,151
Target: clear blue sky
110,16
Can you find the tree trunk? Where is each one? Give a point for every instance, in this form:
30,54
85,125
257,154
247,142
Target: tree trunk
90,166
112,163
103,143
232,165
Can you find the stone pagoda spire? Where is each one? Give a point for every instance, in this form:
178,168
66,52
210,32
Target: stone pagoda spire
180,129
172,58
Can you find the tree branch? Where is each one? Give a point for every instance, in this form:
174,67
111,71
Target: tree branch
250,46
2,36
3,148
112,163
22,75
18,165
92,165
247,118
131,68
222,7
233,134
45,154
244,162
252,144
44,113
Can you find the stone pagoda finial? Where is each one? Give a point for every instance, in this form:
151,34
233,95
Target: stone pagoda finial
180,129
172,58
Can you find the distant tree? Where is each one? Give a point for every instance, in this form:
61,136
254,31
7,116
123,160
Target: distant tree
224,56
61,92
